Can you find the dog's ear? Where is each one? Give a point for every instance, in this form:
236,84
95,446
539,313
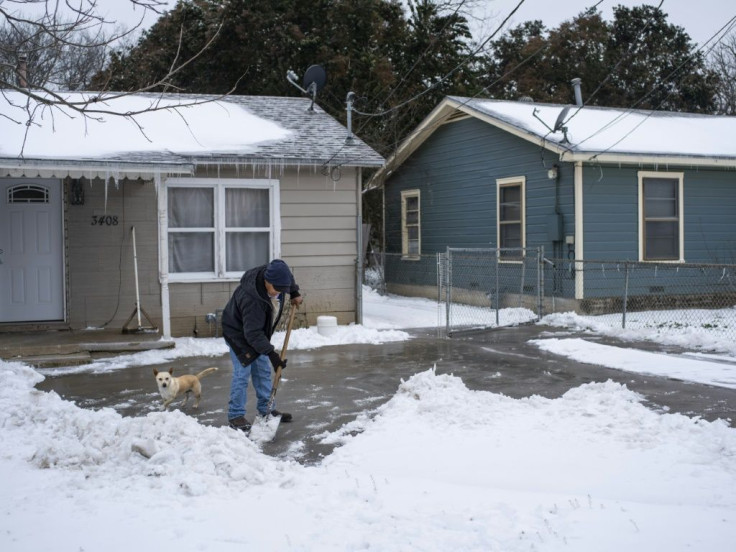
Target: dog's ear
171,370
155,372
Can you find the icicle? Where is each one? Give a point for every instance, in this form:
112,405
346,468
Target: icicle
722,275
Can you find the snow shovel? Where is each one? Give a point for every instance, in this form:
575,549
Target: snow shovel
265,427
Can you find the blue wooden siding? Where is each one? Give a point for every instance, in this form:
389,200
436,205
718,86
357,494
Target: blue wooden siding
611,211
611,228
456,171
710,216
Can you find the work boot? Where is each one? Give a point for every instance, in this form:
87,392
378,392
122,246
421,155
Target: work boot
285,416
239,423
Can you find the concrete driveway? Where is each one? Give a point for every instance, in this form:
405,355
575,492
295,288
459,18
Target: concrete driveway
327,387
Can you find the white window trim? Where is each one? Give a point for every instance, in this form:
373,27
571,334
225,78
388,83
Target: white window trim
219,206
405,255
680,213
500,183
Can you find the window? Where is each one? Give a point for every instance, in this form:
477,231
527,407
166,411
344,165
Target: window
510,216
410,225
25,193
220,229
660,208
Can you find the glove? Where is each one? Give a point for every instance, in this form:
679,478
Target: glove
276,360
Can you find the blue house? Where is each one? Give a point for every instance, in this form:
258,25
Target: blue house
584,183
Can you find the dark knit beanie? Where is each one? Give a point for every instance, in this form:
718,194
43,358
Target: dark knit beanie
278,275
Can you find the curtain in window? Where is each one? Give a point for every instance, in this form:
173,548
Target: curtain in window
191,250
247,228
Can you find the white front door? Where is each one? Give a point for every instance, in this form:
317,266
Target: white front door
31,250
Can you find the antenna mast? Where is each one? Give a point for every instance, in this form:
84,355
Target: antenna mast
314,81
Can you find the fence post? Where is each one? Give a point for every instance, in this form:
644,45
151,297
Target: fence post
523,277
626,295
439,289
498,298
540,282
448,292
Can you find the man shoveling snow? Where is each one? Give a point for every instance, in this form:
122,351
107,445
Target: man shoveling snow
247,326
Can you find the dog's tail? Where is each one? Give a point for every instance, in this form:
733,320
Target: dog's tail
206,371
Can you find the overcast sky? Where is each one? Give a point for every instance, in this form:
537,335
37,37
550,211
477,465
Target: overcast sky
700,18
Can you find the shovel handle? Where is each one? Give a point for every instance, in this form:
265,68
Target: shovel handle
292,312
277,375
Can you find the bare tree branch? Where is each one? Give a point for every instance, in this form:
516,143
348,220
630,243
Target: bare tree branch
723,62
64,44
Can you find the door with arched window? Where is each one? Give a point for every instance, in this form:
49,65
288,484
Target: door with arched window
31,250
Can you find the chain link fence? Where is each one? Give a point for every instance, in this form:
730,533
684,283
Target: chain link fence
486,288
685,298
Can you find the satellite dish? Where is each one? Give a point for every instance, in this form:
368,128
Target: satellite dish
561,119
314,78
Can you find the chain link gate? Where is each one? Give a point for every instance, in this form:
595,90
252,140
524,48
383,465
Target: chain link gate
487,288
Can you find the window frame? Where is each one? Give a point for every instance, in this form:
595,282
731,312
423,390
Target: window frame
508,182
642,220
405,254
219,186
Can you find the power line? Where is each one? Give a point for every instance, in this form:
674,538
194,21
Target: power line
433,86
728,27
448,75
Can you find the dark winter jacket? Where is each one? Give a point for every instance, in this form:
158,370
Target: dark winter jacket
248,321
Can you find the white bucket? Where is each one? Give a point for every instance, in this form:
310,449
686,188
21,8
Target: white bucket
327,325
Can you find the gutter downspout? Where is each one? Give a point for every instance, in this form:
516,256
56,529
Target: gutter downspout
163,256
383,234
579,272
361,248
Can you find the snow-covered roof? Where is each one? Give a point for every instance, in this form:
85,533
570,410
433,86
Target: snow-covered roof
591,134
173,131
595,132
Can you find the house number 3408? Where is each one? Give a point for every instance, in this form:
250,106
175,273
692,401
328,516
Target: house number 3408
109,220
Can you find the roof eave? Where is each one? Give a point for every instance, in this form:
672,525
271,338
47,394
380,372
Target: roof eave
412,142
639,158
89,168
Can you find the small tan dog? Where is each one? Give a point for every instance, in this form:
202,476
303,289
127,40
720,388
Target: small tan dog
171,387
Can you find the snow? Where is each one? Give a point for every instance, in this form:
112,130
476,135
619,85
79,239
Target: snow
594,129
592,470
172,125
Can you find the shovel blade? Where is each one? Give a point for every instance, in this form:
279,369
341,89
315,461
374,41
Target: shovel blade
264,428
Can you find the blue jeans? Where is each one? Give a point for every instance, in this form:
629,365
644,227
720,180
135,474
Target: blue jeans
260,371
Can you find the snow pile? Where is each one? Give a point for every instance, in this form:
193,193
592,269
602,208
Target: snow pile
438,467
593,470
50,433
665,327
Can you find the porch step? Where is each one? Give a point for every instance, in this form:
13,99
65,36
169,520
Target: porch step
126,346
74,354
53,361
